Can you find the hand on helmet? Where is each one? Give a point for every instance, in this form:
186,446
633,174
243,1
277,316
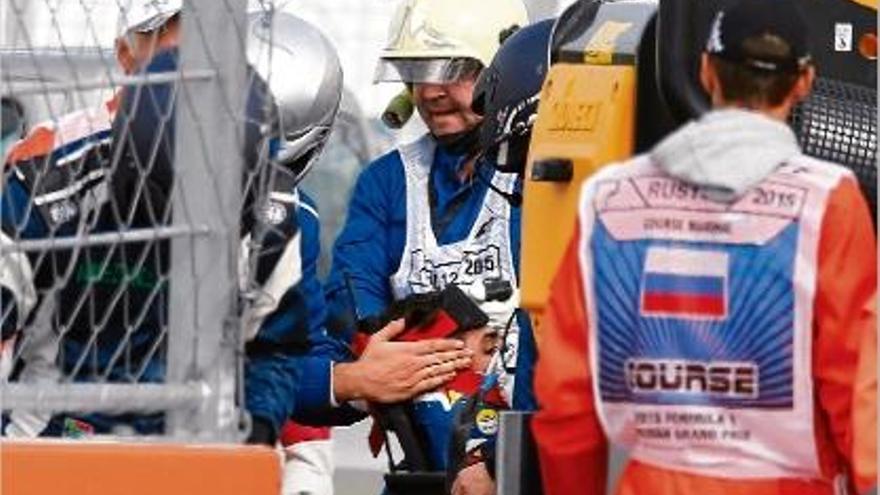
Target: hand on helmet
389,371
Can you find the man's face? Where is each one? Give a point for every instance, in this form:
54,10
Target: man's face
133,50
446,108
483,342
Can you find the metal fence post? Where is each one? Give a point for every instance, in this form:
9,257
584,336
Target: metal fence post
203,337
517,471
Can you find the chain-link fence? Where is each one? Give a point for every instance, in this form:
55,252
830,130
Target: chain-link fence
134,309
124,294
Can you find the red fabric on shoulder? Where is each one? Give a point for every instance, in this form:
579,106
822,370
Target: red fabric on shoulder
293,432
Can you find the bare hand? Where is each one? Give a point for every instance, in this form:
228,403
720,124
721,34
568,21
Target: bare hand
474,480
394,371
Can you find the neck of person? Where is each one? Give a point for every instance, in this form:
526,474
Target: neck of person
780,112
464,143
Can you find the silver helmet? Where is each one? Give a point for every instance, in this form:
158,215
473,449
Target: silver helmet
304,76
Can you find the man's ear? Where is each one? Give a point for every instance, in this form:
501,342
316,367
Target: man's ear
124,56
804,84
707,79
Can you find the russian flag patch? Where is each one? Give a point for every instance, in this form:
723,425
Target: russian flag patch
685,283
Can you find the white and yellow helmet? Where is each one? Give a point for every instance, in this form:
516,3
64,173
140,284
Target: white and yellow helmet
438,41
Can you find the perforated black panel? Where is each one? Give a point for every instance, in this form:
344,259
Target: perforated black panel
838,123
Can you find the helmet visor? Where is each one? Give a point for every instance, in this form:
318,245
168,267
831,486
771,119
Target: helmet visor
426,70
299,153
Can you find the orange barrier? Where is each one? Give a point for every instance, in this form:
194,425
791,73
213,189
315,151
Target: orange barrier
106,468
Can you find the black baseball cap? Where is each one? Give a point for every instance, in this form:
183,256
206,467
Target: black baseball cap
738,26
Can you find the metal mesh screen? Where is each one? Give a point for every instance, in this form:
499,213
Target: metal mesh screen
838,123
119,267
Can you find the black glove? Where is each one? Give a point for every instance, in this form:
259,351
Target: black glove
262,432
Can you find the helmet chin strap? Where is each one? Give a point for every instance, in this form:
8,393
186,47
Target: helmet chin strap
459,143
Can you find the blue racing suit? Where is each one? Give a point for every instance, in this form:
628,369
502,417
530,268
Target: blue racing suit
369,249
110,303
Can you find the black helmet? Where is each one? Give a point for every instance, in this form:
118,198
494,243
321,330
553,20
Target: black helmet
506,95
